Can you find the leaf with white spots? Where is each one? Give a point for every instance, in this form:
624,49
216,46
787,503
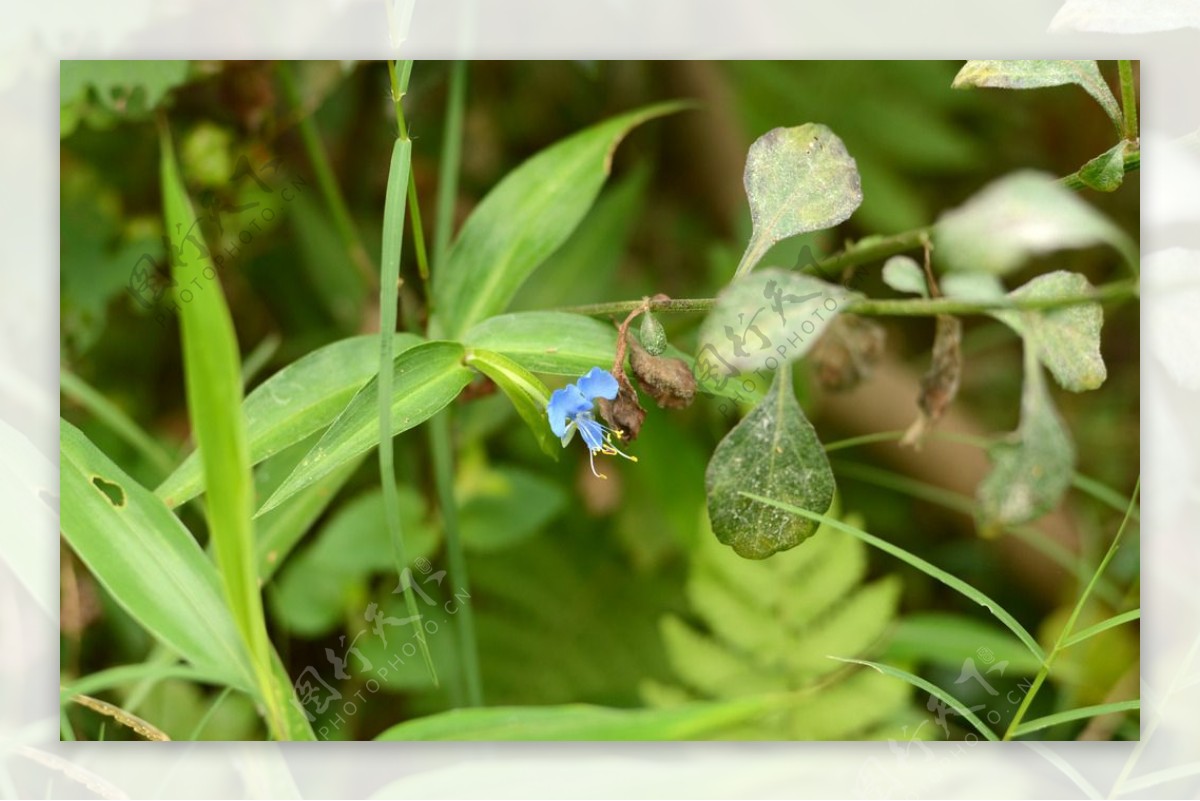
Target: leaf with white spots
773,452
1033,74
1031,467
1066,339
797,180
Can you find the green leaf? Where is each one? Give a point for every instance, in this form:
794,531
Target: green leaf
213,382
903,274
581,722
1102,626
294,403
1034,74
920,683
947,639
797,180
1032,467
427,377
528,394
1067,339
505,506
1017,217
1106,172
772,451
934,572
556,343
1030,726
148,561
524,219
766,319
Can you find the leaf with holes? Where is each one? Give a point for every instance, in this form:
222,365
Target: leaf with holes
797,180
147,560
773,451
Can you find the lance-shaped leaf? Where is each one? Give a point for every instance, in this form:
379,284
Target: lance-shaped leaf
426,378
526,391
1067,339
525,218
148,561
1019,216
773,452
762,321
1037,74
797,180
296,402
1032,466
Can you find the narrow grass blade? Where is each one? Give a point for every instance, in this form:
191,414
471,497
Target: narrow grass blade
213,382
928,569
1037,724
1104,625
111,415
920,683
141,727
389,278
110,678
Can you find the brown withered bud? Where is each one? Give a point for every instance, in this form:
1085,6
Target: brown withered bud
847,352
624,414
939,386
669,381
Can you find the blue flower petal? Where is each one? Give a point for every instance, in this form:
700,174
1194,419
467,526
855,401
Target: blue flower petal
564,404
592,432
598,383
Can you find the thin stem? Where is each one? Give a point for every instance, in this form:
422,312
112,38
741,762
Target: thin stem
443,475
872,248
399,89
915,307
443,455
110,415
451,159
1128,99
326,182
1067,629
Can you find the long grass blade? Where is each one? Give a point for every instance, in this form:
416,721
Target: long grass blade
1104,625
213,382
112,416
1037,724
920,683
927,568
389,277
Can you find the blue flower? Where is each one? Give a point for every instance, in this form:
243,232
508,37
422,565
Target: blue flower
570,410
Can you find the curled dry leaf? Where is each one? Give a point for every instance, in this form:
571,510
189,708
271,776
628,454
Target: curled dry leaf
939,386
847,352
669,381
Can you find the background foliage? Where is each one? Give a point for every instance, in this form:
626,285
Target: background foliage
611,593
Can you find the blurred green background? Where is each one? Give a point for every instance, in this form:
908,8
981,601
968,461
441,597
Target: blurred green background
572,579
